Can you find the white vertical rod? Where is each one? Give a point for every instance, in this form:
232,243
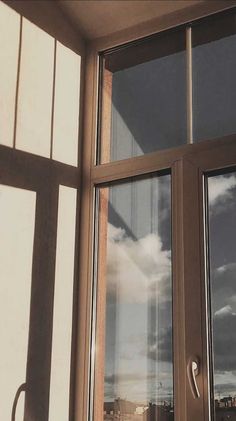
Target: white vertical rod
189,85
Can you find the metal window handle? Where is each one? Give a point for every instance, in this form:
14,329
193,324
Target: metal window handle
193,371
22,388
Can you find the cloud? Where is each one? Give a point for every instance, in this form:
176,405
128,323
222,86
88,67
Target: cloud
160,346
224,288
139,292
220,188
225,388
224,320
224,329
221,269
139,385
224,311
129,377
137,270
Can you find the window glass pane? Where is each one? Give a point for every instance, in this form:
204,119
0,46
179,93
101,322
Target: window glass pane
222,233
17,218
133,353
66,106
9,46
144,98
214,84
63,300
35,91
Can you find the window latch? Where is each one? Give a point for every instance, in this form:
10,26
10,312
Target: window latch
193,370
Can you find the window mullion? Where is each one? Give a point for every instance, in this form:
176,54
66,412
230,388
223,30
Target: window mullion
189,82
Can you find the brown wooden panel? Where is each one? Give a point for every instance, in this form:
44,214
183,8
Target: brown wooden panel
161,160
162,23
190,338
86,227
105,116
151,48
192,284
178,293
216,156
217,159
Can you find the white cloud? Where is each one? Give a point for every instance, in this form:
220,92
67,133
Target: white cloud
225,311
221,269
137,270
220,188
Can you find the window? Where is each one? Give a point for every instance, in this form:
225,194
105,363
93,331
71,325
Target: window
170,89
117,260
134,298
163,288
144,95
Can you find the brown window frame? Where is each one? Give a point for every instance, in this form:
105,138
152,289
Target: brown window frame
188,164
18,167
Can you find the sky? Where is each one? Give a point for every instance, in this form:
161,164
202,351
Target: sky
139,293
149,100
149,107
222,232
139,289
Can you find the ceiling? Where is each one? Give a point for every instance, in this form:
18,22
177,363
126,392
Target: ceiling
97,18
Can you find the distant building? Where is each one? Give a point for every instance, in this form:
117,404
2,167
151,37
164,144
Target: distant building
159,412
120,406
225,409
119,409
141,409
225,402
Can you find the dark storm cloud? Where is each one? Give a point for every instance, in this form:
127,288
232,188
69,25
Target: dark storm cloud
159,346
135,113
224,329
128,377
223,282
222,227
165,345
226,388
221,189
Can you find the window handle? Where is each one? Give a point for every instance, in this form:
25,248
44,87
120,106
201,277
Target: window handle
193,369
22,388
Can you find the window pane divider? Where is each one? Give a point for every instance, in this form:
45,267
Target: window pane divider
159,161
189,75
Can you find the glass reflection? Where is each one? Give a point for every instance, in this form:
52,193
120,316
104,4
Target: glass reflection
222,233
214,88
138,372
144,94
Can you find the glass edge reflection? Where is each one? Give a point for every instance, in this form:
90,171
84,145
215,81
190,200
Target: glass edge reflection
93,304
207,286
